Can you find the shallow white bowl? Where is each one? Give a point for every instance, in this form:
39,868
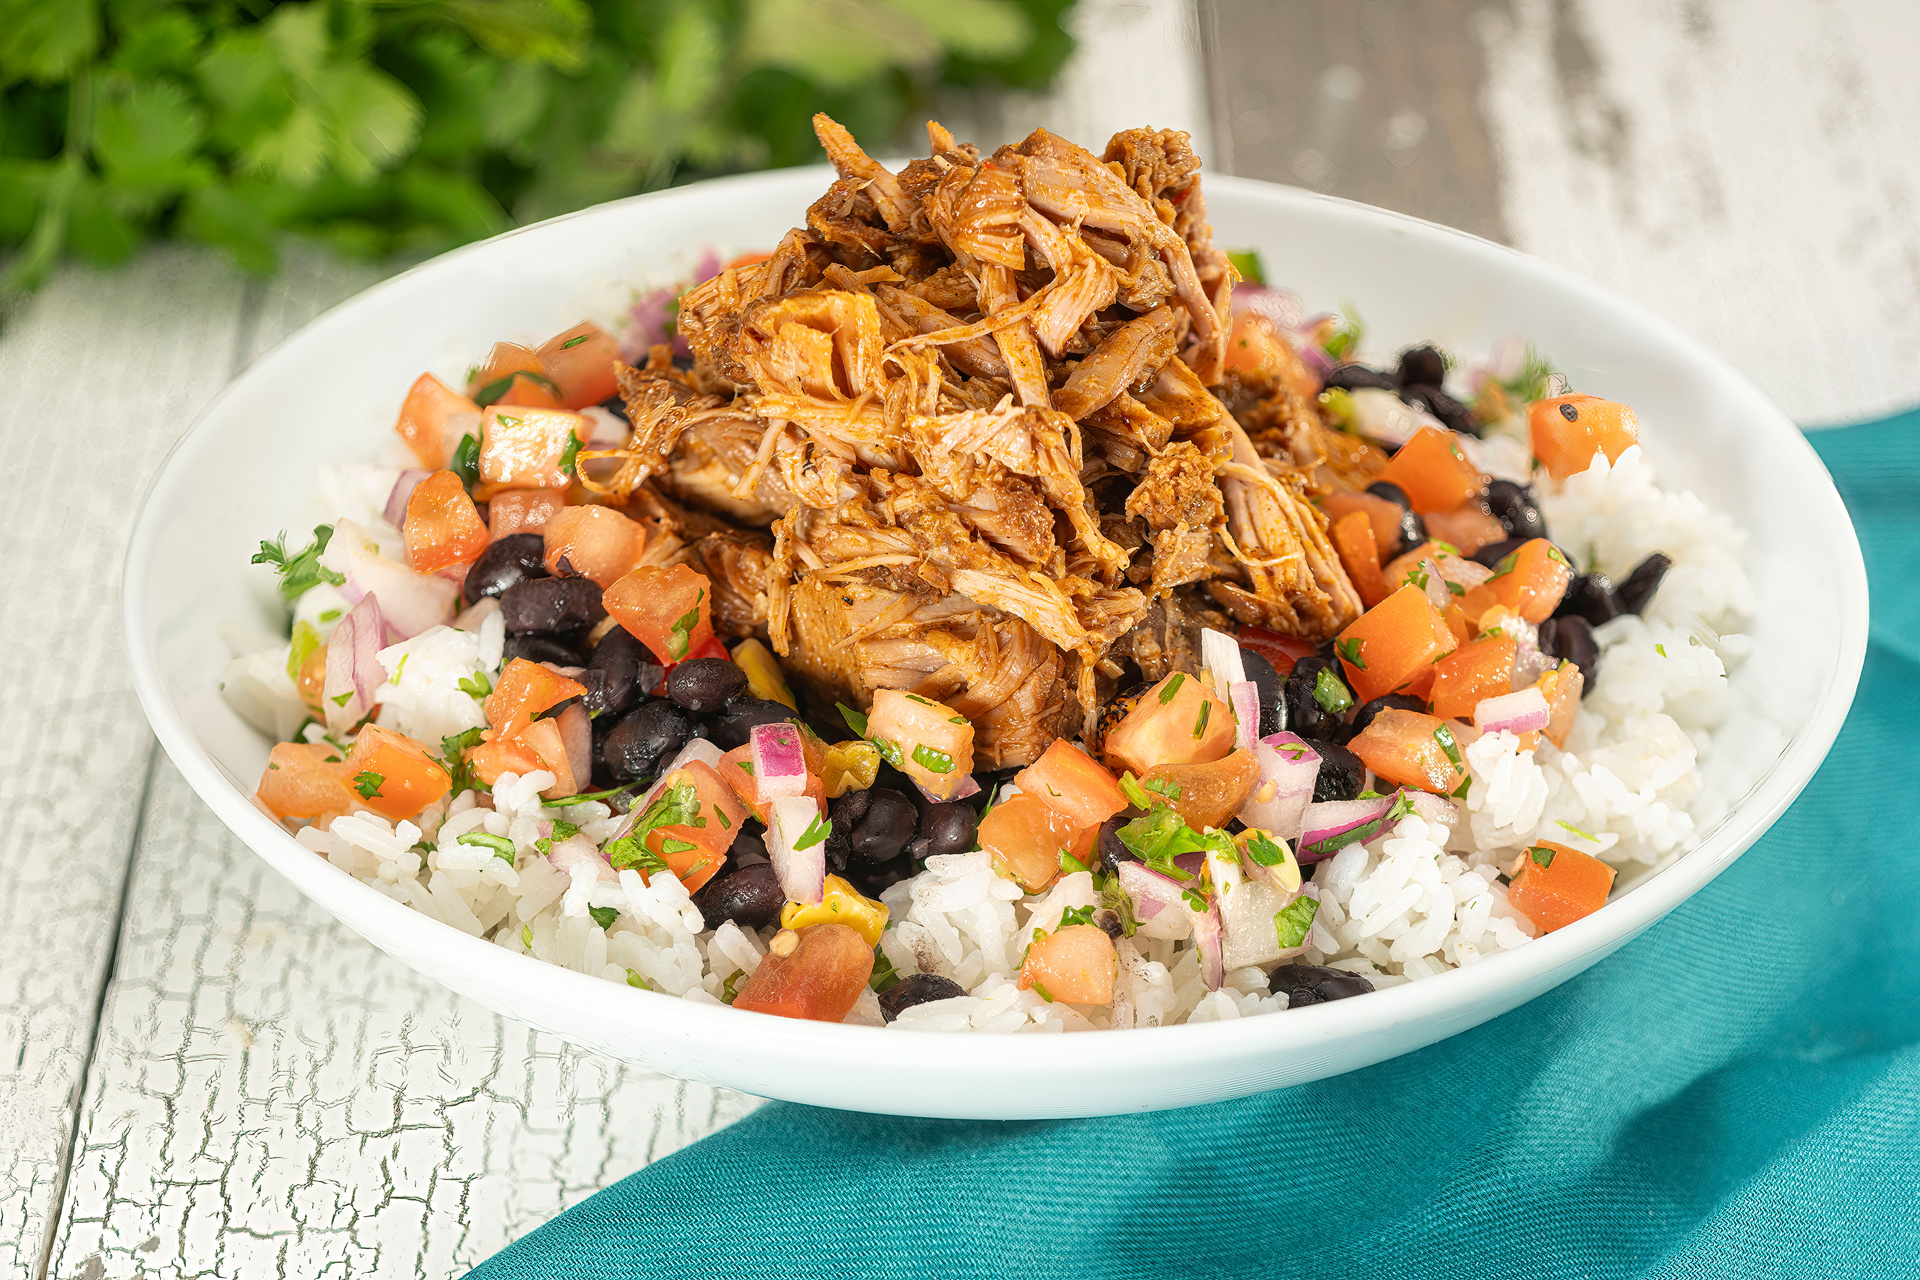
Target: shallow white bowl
330,394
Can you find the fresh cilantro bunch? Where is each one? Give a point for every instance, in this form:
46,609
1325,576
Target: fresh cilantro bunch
384,126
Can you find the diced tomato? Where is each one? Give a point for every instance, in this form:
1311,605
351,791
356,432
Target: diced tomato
394,775
523,510
696,851
526,689
1281,651
1075,964
1482,669
513,374
1470,528
1255,346
597,541
736,770
1178,721
817,974
1026,836
433,417
1421,686
1207,795
928,741
1568,430
668,610
1454,569
1532,580
1388,646
1433,472
503,755
1383,515
1557,885
523,448
1562,688
1074,783
1353,538
1410,749
546,742
308,781
580,361
443,526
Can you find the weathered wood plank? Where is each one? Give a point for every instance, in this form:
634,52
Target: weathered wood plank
103,373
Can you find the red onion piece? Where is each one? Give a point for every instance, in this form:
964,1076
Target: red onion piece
396,511
1324,825
353,664
1381,415
410,602
1151,892
1245,696
1432,808
1524,711
1289,768
967,786
802,872
1208,931
576,735
1220,655
779,765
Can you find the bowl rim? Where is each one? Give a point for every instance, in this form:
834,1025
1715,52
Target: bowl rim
665,1017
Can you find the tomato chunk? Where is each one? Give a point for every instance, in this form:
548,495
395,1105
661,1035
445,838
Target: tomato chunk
1075,964
1207,795
443,525
1074,783
1562,689
1433,472
1568,430
1411,749
928,741
503,755
523,510
1353,538
1392,643
525,690
696,849
1026,836
668,610
817,974
1469,528
1178,721
1557,885
394,775
580,362
1384,516
307,780
1531,580
597,541
1482,669
513,374
433,417
523,448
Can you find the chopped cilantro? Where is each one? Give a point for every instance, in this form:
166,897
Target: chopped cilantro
574,341
673,844
1194,900
1584,835
466,460
1247,263
1506,564
635,980
1294,920
1078,915
1331,692
501,846
1263,849
1417,576
1345,340
1173,687
889,751
1460,792
1044,993
914,697
1660,649
1444,736
629,854
604,917
1164,786
330,615
500,386
680,641
300,571
884,975
1200,721
453,755
1554,553
526,936
367,783
1454,588
1541,855
816,831
1071,864
677,806
585,796
570,456
562,831
932,761
855,721
1136,795
1350,650
478,685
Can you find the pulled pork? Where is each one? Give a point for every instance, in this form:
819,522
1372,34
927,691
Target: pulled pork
972,400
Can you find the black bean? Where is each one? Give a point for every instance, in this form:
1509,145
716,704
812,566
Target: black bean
1342,775
1305,984
1640,585
1273,691
540,649
545,606
1364,716
510,561
1353,376
1589,596
749,847
618,658
921,988
1452,414
1517,509
886,827
705,685
1304,713
1571,637
1494,552
948,828
646,738
734,724
1422,366
874,878
749,896
1413,530
1113,850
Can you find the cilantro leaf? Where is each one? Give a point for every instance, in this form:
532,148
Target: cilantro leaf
367,783
604,917
478,685
300,571
932,761
501,846
1293,921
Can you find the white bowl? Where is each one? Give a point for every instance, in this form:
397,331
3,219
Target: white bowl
330,393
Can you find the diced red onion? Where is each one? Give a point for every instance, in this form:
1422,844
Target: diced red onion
1289,767
967,786
396,511
1434,809
1220,655
1158,901
1245,697
779,765
652,314
1324,824
1437,594
576,735
1191,863
1208,932
1381,415
410,602
353,664
1280,307
802,872
1523,711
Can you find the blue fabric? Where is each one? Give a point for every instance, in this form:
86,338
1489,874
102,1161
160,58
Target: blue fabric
1735,1093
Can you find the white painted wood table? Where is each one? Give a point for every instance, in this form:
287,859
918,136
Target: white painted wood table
201,1075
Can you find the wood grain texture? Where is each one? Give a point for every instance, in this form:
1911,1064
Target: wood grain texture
103,374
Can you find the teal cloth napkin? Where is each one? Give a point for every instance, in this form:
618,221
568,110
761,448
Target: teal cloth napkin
1735,1093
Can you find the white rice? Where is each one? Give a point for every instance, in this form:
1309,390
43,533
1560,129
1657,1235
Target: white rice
1420,899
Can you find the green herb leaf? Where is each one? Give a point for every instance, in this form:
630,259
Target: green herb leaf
367,783
500,386
635,980
1444,736
629,854
300,571
575,341
1505,566
526,936
1136,795
855,720
817,831
562,831
569,456
1077,915
453,751
1541,855
477,684
1293,921
501,846
1331,692
932,761
1247,263
1173,688
466,460
1044,993
889,751
1262,848
1660,649
585,796
604,917
1164,786
1350,650
1200,721
884,975
1070,864
1568,826
680,641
